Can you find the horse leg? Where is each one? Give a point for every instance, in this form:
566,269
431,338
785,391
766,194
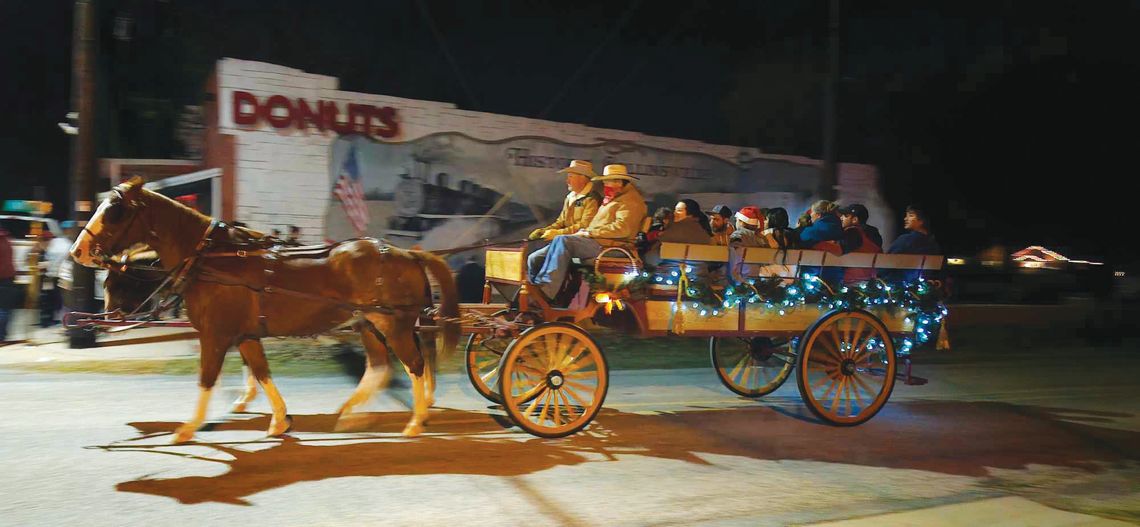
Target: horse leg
400,338
250,392
210,365
429,353
376,373
254,356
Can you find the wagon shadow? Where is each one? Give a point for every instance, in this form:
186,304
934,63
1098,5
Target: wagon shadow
959,438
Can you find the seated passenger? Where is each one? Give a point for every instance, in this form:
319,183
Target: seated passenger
690,225
661,220
616,224
720,220
749,223
916,240
580,205
856,240
823,234
860,213
777,235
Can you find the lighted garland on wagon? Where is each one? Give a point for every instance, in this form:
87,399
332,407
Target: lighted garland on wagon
922,300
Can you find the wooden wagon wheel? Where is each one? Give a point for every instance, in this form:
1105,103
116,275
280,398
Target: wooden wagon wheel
752,367
554,379
483,353
846,367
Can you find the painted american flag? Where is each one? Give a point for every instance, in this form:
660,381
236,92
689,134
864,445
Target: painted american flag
350,191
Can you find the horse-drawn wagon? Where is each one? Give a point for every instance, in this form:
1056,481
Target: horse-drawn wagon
773,320
551,376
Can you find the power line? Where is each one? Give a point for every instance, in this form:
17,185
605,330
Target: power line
447,54
668,38
590,59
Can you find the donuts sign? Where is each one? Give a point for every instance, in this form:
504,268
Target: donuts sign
282,112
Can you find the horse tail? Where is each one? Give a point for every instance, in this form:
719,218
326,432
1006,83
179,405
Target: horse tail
448,337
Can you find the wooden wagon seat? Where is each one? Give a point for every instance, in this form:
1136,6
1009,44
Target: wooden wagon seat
696,253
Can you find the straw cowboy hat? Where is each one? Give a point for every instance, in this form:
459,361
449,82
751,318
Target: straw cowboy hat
581,168
615,172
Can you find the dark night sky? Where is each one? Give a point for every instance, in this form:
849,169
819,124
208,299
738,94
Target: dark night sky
1011,121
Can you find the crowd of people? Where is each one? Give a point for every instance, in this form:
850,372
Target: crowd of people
594,218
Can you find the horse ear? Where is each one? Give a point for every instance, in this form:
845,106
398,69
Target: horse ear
135,183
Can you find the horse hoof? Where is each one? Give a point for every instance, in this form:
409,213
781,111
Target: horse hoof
183,434
350,423
413,430
239,408
278,428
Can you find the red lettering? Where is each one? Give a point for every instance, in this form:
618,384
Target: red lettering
305,115
358,117
387,117
333,116
281,112
278,121
241,115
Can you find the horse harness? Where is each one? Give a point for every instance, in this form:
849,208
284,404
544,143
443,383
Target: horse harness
270,251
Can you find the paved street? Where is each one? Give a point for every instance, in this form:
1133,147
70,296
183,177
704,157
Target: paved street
1024,440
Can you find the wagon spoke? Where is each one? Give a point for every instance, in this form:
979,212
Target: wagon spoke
578,399
490,375
858,334
739,366
545,406
835,398
571,413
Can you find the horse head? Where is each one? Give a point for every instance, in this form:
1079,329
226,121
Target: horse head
132,280
114,227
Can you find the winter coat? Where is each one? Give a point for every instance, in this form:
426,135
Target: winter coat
578,210
618,222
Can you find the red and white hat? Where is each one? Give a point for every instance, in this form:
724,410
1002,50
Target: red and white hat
750,215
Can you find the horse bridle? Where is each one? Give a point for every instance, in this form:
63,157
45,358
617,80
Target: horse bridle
132,208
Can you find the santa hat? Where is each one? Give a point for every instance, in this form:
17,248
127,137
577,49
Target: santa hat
749,215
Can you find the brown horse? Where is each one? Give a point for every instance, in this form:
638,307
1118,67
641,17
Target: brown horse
133,281
237,292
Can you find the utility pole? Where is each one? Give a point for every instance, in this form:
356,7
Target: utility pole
83,156
828,178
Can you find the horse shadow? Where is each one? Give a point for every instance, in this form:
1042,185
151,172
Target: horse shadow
950,437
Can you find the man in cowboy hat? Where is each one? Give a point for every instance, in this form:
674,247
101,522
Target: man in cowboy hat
616,224
581,203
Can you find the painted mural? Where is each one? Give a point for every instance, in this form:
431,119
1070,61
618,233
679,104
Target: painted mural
448,189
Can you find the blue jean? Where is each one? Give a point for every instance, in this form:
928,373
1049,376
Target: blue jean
547,266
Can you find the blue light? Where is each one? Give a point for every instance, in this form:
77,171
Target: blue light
727,303
793,291
704,312
674,273
658,279
715,312
668,282
781,312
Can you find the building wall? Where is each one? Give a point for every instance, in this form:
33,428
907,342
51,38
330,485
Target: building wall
281,176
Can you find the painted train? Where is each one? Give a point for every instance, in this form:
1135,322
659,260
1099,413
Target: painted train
422,206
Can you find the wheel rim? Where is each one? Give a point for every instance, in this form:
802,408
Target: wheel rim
555,380
751,367
847,367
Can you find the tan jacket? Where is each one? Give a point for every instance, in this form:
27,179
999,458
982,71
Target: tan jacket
618,222
578,210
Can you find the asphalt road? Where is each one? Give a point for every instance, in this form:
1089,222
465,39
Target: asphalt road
672,447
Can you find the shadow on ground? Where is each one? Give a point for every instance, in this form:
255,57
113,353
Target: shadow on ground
956,438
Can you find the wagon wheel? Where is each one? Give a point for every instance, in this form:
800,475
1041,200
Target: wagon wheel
554,378
752,367
846,367
484,352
